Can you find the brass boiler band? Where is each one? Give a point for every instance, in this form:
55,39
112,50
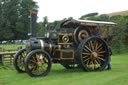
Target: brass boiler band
49,46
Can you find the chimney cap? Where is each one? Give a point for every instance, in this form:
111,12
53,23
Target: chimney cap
33,11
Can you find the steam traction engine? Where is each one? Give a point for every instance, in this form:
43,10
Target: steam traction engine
80,46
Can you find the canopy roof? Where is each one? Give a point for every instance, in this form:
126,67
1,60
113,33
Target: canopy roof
90,23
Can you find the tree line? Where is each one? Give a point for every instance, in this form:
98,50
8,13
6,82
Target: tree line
14,19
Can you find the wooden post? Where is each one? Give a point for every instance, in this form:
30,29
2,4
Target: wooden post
11,56
1,60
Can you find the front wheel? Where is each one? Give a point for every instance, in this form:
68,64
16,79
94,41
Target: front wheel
38,63
94,54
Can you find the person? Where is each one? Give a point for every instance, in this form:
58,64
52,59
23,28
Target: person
109,64
109,59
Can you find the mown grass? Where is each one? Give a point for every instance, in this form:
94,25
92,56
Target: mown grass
11,46
58,75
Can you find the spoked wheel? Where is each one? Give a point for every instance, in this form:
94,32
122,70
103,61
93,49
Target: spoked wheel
38,63
93,54
70,66
19,60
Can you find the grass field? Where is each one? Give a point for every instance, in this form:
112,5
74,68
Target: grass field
11,46
58,75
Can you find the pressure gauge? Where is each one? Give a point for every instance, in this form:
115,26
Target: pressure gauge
65,38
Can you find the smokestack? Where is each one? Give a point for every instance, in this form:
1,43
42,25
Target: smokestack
33,18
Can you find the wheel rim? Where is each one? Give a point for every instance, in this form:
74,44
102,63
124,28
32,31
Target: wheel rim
20,60
38,64
94,55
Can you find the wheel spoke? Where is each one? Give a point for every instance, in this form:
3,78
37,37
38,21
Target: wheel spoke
100,49
92,46
101,55
85,56
87,62
86,59
34,68
23,54
86,53
33,61
98,61
45,60
96,46
89,45
88,48
99,46
101,58
38,57
34,58
102,52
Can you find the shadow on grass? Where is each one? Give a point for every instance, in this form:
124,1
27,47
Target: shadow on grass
7,67
56,70
64,71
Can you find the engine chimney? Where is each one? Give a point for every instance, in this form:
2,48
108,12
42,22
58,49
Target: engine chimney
33,18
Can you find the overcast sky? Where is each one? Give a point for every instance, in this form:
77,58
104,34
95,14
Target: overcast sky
59,9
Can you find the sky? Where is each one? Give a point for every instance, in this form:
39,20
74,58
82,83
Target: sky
60,9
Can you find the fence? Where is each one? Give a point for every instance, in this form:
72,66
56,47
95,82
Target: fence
7,55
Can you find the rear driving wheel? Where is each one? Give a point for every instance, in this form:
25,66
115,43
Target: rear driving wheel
38,63
93,54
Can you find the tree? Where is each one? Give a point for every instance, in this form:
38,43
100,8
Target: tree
42,26
102,17
5,23
14,18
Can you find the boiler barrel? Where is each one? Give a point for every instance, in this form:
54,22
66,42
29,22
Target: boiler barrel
34,44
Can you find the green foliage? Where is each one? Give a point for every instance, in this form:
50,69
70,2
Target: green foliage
120,32
102,17
14,18
43,26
